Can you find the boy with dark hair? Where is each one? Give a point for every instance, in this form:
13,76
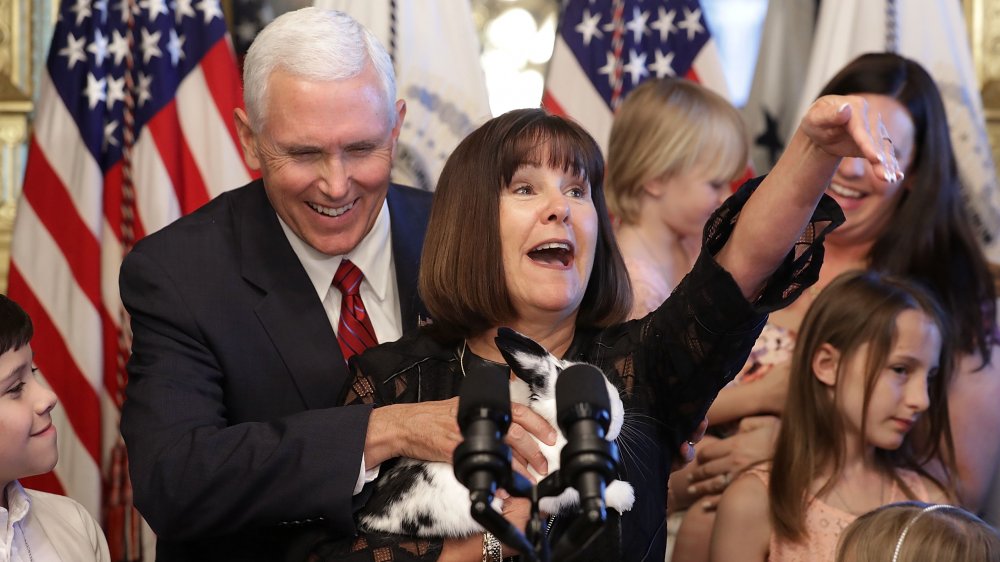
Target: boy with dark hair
34,525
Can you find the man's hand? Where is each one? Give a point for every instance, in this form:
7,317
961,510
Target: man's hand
425,431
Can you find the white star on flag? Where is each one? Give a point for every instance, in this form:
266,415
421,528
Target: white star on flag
98,47
175,46
102,7
73,50
665,24
116,91
609,69
637,25
123,7
664,64
109,134
588,27
94,90
692,23
82,10
182,9
145,83
119,47
150,45
210,8
636,66
155,8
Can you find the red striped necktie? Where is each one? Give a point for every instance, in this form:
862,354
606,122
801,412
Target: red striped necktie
355,333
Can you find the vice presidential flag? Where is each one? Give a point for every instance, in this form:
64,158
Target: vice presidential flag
435,51
605,48
133,128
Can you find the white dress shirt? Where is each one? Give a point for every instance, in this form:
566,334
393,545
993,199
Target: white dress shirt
373,256
41,527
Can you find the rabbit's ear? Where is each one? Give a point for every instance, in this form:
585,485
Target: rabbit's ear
527,360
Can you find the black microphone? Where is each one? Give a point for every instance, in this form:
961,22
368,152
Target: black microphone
483,460
588,461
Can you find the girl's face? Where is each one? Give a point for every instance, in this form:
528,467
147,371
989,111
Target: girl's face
686,200
548,237
899,396
869,205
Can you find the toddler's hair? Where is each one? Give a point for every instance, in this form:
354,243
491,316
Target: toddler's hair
914,531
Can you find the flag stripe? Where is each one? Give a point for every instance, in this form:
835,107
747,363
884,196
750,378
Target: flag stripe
52,284
70,233
211,144
155,197
68,157
82,410
189,189
220,61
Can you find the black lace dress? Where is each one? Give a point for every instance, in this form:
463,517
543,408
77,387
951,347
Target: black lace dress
668,365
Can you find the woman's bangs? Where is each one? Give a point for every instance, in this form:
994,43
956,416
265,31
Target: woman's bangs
555,143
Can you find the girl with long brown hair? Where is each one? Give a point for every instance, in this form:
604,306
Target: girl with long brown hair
866,411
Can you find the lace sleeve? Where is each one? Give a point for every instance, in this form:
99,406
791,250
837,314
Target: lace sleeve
675,360
800,269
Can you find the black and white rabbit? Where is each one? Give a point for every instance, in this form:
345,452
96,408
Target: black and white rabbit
420,498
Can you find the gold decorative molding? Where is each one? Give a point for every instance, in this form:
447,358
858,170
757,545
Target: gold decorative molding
983,20
15,107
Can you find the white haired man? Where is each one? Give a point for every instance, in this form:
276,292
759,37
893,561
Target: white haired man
237,443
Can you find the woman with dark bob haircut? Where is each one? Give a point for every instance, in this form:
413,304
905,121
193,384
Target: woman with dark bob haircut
519,236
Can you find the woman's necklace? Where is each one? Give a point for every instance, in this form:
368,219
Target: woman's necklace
850,509
461,356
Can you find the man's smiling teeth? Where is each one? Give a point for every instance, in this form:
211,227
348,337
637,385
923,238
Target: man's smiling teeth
843,191
329,211
551,246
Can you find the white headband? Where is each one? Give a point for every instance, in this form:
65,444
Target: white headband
906,529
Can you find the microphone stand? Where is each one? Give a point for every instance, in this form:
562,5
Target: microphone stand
533,544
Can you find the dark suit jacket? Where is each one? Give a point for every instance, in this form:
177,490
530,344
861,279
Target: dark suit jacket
236,445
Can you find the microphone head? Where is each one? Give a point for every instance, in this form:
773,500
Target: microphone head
582,392
485,394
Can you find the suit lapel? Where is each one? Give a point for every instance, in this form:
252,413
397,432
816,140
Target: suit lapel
288,310
407,243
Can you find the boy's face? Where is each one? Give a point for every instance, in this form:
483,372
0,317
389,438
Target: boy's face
27,436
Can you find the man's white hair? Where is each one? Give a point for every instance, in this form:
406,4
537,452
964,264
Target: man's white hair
315,44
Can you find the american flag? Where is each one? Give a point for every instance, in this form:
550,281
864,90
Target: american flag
605,48
133,128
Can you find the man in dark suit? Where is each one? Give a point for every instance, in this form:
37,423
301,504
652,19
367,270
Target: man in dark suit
237,446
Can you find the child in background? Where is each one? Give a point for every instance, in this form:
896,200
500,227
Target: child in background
919,532
674,149
34,526
871,365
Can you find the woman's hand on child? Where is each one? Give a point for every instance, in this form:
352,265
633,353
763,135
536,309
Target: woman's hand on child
525,449
723,460
687,450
